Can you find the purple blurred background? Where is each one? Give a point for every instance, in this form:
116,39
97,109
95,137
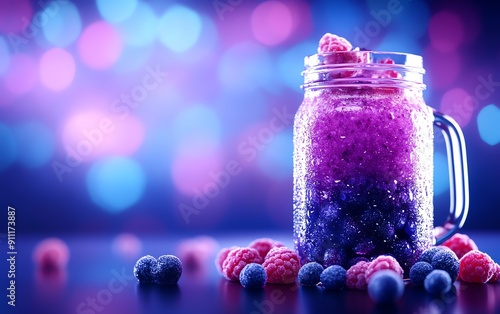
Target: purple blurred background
176,117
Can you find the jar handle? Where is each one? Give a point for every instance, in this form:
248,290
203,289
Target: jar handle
457,167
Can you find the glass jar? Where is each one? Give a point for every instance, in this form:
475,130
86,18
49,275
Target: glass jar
363,161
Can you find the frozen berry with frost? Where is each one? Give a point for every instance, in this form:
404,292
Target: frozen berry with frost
333,277
221,257
476,266
383,262
169,270
429,253
386,286
264,245
145,269
419,271
496,274
309,274
356,278
388,73
460,244
447,261
334,256
332,43
437,282
51,254
236,260
282,265
253,276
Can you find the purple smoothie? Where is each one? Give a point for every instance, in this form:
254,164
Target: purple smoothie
363,171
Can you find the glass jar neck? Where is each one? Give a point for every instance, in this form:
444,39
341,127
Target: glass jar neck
362,69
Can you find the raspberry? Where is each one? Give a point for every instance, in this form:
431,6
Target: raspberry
145,269
236,260
388,73
264,245
51,254
476,266
221,257
253,276
282,265
437,282
169,270
460,244
331,43
429,253
333,277
383,262
386,286
194,253
309,274
419,271
356,278
496,274
447,261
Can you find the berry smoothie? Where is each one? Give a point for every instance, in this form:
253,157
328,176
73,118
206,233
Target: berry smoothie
363,171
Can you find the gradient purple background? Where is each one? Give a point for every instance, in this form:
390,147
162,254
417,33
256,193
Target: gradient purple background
228,82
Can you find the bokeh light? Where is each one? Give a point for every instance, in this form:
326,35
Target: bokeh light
115,183
441,178
488,124
21,76
14,15
92,134
116,10
275,161
193,167
179,28
140,28
4,56
63,28
272,22
255,72
100,45
35,144
127,245
457,103
196,122
446,31
442,69
57,69
291,64
8,145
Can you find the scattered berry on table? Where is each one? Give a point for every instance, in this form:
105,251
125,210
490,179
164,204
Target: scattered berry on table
419,271
194,253
145,269
356,278
51,254
383,262
253,276
496,274
309,274
438,281
460,244
264,245
386,286
447,261
429,253
282,265
237,259
221,257
476,266
333,277
169,270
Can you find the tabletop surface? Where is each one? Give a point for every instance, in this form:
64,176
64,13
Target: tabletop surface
100,281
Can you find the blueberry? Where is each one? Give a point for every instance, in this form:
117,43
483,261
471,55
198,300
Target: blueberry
399,218
169,270
447,261
385,286
253,276
309,274
349,231
403,252
330,213
419,271
437,282
333,277
364,247
334,256
429,254
145,269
